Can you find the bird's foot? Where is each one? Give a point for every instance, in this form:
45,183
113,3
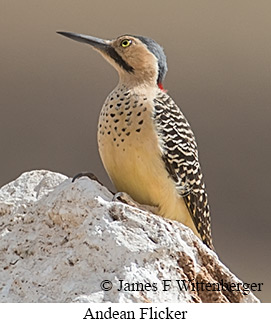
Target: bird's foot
86,174
126,198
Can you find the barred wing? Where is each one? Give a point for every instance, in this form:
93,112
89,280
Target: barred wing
180,155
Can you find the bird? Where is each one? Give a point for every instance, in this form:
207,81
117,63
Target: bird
145,142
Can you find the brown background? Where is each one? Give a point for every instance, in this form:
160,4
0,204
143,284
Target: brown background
219,57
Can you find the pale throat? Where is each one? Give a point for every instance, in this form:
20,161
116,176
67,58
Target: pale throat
144,75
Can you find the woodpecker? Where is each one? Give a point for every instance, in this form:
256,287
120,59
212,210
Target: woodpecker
145,142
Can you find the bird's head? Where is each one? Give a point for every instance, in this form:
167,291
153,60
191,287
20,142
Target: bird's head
139,60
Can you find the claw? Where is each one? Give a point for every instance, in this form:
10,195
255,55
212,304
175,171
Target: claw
126,198
86,174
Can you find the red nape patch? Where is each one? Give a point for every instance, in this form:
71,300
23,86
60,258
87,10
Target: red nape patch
160,85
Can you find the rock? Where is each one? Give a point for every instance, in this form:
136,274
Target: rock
68,242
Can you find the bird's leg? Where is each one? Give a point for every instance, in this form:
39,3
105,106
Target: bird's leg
126,198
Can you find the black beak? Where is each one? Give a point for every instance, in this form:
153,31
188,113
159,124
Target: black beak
93,41
101,45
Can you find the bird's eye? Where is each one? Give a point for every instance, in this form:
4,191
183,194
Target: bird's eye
126,43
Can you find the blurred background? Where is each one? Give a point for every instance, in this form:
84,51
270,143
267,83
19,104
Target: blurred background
219,59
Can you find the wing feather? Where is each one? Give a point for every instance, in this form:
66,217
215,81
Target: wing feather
180,155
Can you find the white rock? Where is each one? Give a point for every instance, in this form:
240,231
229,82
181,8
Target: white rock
60,240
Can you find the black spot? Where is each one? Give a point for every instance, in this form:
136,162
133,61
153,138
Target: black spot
172,132
108,132
140,104
111,106
106,121
175,165
164,117
129,113
122,140
117,145
140,122
121,113
112,115
116,120
138,130
170,168
127,93
115,128
118,95
119,134
128,133
119,104
145,99
114,139
145,109
139,114
127,108
111,98
127,102
100,125
170,143
123,129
